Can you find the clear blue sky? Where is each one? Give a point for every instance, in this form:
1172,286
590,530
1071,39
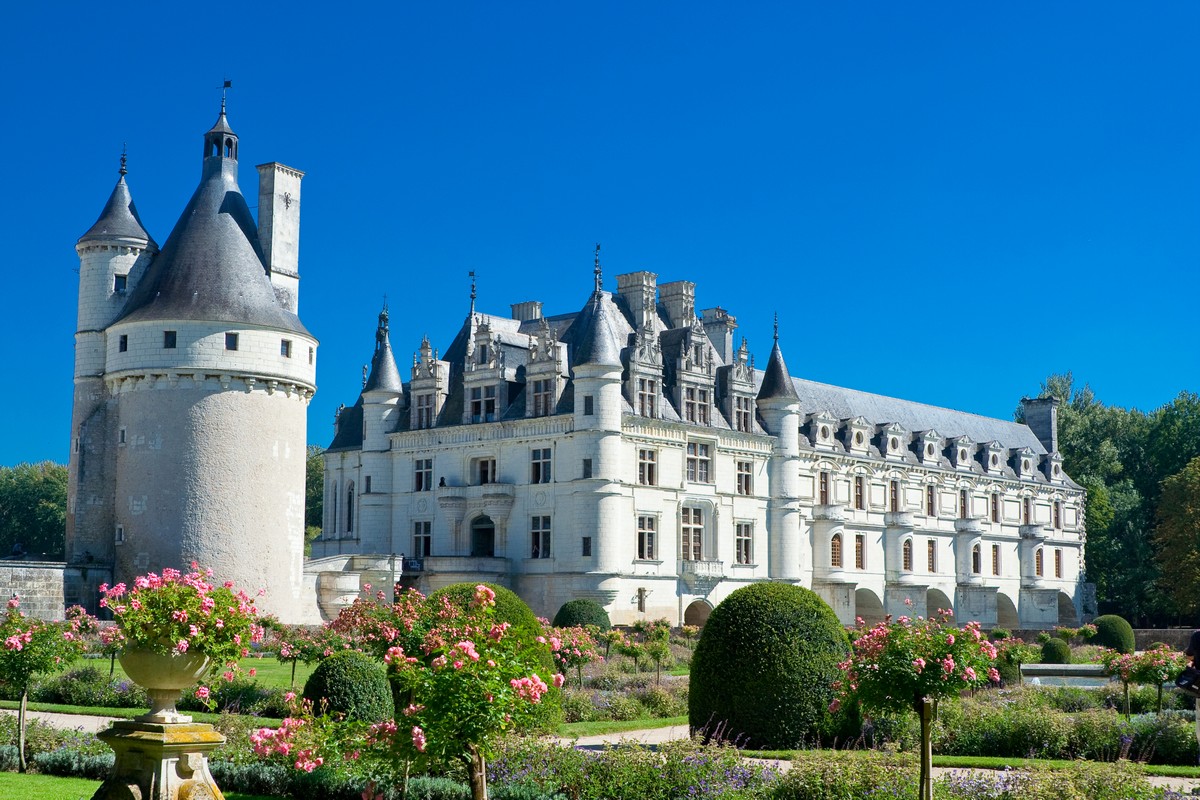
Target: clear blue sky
945,202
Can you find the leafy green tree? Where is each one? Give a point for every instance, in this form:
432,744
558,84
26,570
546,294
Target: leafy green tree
33,509
314,493
1178,537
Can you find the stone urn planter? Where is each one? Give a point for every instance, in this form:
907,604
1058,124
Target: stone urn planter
163,677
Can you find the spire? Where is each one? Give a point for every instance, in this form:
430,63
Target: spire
598,273
471,313
777,383
383,374
595,335
119,219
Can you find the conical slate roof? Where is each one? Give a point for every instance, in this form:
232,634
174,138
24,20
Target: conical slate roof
211,267
384,375
119,219
776,383
596,336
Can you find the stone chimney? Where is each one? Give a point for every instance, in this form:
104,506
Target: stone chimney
527,311
679,301
1041,415
279,229
640,292
719,324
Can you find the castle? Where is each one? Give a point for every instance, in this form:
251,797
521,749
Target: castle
193,375
628,452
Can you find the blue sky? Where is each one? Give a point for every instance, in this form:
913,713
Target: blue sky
945,202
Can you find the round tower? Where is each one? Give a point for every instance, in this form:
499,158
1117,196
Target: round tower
779,406
211,377
112,256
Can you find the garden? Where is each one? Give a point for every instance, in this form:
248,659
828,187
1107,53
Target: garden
466,694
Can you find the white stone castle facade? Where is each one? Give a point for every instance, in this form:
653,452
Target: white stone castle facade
630,453
193,375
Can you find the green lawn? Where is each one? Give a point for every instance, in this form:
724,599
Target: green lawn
268,671
46,787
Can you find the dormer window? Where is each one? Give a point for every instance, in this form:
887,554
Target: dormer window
824,427
424,404
647,397
543,398
482,354
743,413
483,403
696,405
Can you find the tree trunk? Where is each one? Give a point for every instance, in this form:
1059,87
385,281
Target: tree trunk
1158,710
477,774
21,731
112,665
925,707
1126,685
293,674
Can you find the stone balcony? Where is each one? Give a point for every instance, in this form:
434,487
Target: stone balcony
833,511
1035,532
701,575
970,525
899,519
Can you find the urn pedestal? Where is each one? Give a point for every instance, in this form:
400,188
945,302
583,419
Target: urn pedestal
158,761
163,676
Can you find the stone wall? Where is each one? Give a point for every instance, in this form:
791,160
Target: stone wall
39,584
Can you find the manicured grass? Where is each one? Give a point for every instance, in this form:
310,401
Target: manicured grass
573,729
268,671
47,787
122,713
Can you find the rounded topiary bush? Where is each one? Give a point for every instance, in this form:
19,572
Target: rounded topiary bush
1056,651
1115,632
582,612
764,667
353,684
509,607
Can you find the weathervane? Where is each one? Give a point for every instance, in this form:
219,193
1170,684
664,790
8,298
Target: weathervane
599,278
123,171
472,274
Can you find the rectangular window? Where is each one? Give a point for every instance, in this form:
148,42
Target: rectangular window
646,526
1058,564
424,411
231,341
860,551
1027,511
312,354
930,501
587,468
696,405
539,536
699,462
995,559
589,405
119,534
585,544
285,348
169,340
422,475
964,508
648,467
121,436
539,465
543,398
691,532
122,343
743,542
1038,566
367,484
894,495
743,413
120,282
422,538
932,557
860,495
647,397
484,471
995,507
1058,515
823,490
745,477
483,404
703,406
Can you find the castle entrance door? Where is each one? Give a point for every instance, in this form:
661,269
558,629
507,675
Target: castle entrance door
483,537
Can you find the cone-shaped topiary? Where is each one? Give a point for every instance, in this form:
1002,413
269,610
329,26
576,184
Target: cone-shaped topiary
582,612
764,667
1115,632
353,684
1056,651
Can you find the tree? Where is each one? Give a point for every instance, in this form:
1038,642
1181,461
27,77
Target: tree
314,493
33,509
1178,537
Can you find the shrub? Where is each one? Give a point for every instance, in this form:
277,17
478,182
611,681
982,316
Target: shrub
1056,651
577,706
353,684
1000,634
89,686
71,763
843,774
659,702
509,607
1115,632
582,612
764,666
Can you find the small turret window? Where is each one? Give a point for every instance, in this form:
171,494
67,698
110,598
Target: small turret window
285,348
119,283
229,149
231,341
122,343
169,339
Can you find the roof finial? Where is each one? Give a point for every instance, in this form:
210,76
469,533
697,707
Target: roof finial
122,170
472,274
777,327
228,85
599,276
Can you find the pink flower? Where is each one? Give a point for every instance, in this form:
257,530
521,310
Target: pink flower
919,664
949,638
418,739
14,602
969,673
202,693
181,646
993,675
559,679
835,705
289,697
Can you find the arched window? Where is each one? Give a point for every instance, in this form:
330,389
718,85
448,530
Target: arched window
229,148
976,559
333,509
1038,564
350,507
907,555
835,551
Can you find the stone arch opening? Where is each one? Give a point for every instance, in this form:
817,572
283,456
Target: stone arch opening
697,613
1006,612
868,606
1066,611
935,599
483,537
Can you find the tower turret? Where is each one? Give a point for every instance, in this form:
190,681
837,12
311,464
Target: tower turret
382,391
779,406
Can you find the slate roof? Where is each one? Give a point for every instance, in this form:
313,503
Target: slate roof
119,219
775,383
